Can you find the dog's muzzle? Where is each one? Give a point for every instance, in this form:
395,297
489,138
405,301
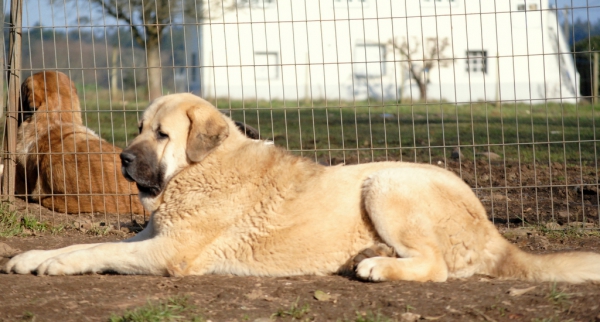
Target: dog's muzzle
143,171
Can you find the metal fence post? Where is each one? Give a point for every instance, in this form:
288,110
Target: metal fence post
595,78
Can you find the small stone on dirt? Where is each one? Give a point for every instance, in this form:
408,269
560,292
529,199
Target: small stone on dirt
515,316
467,177
322,296
7,251
456,154
491,156
500,197
117,232
409,317
539,242
255,294
553,226
517,233
519,291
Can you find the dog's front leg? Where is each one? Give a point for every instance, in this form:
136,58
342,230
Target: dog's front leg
149,257
28,262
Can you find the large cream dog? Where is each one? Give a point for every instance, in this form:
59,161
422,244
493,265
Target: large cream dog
225,204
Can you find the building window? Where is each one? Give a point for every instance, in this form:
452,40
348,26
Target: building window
266,65
369,60
255,3
477,61
524,6
439,3
350,3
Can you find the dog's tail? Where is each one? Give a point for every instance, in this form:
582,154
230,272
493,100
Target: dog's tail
572,267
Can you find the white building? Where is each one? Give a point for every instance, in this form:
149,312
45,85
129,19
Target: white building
512,50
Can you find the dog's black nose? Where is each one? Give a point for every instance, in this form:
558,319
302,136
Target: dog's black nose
127,158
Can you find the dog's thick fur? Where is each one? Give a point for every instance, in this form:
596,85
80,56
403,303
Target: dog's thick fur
225,204
62,164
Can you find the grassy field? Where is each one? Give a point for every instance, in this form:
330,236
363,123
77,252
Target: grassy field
375,130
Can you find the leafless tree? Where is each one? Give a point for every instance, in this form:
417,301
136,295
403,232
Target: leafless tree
148,19
421,59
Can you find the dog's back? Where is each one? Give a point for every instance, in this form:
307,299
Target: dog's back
62,164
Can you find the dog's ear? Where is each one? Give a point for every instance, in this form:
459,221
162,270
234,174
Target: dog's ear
248,130
27,106
207,130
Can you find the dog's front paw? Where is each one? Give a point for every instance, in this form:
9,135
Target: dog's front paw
54,266
373,269
66,264
26,263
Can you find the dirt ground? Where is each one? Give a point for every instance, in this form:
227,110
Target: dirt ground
231,298
514,195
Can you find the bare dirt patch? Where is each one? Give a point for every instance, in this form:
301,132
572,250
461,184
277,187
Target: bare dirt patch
232,298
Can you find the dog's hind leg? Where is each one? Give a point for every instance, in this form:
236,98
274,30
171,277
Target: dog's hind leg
398,202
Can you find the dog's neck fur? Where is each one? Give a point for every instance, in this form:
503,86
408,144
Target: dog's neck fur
233,142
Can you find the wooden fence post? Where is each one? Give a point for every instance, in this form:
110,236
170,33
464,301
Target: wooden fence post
14,82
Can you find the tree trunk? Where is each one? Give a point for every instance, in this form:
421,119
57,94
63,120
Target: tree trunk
419,78
154,69
114,80
423,91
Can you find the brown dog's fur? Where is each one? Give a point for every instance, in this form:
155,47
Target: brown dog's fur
62,164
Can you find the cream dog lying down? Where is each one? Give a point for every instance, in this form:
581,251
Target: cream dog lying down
225,204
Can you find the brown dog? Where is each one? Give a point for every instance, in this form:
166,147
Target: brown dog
62,164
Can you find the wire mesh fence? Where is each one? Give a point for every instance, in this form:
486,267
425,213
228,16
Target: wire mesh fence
503,93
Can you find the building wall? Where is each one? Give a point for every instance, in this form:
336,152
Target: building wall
340,49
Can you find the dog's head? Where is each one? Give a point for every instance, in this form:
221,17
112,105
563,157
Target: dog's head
51,95
175,131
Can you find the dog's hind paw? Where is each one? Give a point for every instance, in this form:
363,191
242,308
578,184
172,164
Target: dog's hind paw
377,250
373,269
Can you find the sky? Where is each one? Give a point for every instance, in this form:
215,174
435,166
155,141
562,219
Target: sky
41,11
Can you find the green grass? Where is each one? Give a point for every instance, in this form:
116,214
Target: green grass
567,232
295,312
13,223
558,297
419,132
174,308
371,317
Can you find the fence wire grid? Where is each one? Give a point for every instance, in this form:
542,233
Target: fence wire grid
501,92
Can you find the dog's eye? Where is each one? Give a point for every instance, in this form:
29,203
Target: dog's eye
161,135
140,127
